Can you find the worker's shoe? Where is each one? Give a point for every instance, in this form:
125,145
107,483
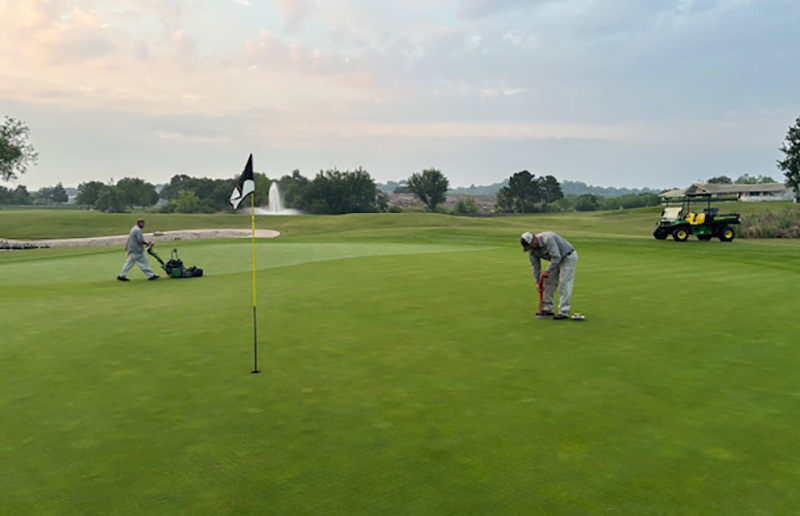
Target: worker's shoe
122,278
154,277
560,317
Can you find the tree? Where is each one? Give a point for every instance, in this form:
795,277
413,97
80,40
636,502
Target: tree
44,195
525,193
791,148
88,192
213,194
430,187
16,153
335,192
59,194
262,189
747,179
587,202
567,203
187,201
720,180
549,189
110,200
293,188
21,196
137,192
6,195
382,202
467,205
177,183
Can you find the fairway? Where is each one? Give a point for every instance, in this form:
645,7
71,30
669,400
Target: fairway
403,372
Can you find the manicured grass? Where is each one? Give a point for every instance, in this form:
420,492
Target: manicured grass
402,373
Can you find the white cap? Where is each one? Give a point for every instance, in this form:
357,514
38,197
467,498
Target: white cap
525,240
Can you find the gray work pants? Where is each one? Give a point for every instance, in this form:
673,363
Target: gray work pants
139,259
563,278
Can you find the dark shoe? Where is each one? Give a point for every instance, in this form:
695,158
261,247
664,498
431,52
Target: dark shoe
154,277
560,317
122,278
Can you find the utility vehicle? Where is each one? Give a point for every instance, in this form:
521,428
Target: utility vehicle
680,220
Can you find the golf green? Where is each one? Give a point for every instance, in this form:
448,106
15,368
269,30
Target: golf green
403,372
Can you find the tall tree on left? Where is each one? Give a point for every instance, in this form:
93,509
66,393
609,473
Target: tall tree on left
16,152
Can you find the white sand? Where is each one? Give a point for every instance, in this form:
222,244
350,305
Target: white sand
158,236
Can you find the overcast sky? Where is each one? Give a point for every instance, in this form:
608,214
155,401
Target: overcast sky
633,93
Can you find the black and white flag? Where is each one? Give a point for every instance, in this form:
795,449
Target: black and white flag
245,186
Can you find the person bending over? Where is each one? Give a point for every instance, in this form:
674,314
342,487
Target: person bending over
560,273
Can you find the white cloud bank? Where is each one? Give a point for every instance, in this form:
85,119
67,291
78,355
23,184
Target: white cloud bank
591,90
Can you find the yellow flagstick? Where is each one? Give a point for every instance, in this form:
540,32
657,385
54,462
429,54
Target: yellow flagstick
255,313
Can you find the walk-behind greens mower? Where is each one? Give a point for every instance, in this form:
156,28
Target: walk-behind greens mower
680,221
174,267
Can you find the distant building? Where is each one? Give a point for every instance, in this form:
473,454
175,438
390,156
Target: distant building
745,193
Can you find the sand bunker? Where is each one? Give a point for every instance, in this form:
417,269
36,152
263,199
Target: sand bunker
157,237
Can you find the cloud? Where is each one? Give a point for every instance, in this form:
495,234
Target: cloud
166,135
295,12
619,71
483,8
53,32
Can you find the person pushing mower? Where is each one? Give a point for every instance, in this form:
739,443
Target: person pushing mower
560,273
135,249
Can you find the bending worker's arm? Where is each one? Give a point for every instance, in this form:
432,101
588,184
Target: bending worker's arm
536,265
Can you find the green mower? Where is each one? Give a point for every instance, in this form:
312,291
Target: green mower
174,267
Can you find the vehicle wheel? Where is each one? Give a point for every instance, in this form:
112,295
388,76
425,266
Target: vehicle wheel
660,234
680,234
726,233
704,237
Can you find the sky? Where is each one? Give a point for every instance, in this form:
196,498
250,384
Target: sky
626,93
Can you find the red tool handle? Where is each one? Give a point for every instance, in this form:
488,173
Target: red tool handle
540,288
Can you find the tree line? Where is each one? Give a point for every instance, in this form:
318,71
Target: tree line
330,191
20,196
745,179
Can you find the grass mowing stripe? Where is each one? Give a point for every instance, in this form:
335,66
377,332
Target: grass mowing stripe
214,259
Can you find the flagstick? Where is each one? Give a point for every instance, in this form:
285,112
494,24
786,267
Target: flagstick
255,314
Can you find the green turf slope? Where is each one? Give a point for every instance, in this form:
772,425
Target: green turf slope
403,373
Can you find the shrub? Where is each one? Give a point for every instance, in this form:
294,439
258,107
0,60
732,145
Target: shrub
781,224
467,205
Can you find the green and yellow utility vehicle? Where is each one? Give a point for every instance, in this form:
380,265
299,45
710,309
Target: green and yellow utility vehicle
680,220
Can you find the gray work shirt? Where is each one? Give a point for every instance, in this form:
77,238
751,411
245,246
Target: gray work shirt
552,248
135,243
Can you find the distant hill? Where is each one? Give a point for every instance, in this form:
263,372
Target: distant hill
580,188
479,190
389,186
568,187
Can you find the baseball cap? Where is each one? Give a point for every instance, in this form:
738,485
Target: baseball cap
525,240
